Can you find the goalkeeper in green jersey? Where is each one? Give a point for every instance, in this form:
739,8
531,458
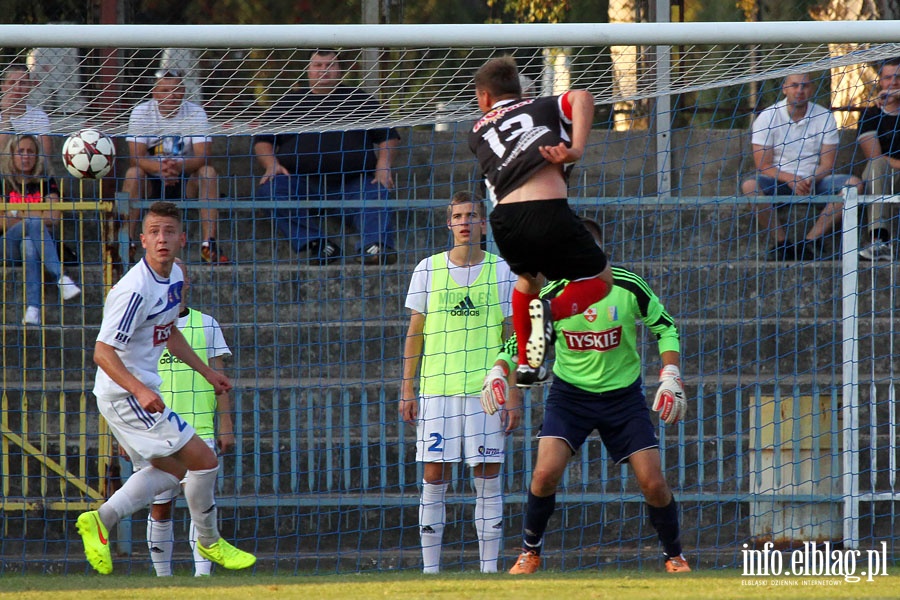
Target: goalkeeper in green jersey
598,386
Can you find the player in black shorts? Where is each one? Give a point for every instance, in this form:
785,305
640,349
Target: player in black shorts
524,148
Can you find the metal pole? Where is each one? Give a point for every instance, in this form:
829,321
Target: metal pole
369,58
663,108
850,365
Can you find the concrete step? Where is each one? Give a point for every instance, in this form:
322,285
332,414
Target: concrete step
262,473
291,292
371,349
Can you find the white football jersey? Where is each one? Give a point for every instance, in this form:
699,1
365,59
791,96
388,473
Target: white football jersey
138,317
173,136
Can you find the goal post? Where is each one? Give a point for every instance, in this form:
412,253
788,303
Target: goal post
789,366
244,66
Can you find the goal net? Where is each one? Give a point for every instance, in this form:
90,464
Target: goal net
791,434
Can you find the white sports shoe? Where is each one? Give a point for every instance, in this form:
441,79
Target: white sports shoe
67,288
32,316
877,251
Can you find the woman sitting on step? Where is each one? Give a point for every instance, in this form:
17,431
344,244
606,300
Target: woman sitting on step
27,236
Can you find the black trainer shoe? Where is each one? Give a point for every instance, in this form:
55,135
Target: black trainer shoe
527,377
324,251
209,253
541,338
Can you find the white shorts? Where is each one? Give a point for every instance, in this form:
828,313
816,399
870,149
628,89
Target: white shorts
451,427
172,493
144,435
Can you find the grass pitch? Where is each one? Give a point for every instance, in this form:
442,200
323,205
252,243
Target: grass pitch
547,585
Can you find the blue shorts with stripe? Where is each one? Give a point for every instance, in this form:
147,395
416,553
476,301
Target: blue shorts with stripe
621,417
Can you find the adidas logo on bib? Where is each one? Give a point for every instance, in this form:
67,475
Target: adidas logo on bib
465,308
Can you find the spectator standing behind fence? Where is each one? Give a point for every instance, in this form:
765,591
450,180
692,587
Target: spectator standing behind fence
196,402
27,234
597,385
168,138
332,165
878,135
16,114
458,302
794,148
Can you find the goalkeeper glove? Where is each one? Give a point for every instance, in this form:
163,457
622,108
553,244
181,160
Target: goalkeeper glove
669,401
495,389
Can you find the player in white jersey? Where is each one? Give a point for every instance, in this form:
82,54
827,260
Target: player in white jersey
138,324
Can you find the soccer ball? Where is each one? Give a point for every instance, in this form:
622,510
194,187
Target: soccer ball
88,154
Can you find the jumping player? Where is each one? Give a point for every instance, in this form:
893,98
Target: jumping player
138,324
524,148
459,301
597,385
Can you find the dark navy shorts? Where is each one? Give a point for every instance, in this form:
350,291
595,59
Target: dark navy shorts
621,417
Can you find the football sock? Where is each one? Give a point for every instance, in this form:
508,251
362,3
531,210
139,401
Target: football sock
577,296
137,492
199,492
521,321
432,516
488,521
160,540
665,521
201,565
536,518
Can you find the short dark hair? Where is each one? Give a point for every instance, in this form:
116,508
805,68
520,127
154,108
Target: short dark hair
893,61
164,208
499,77
325,52
463,198
15,68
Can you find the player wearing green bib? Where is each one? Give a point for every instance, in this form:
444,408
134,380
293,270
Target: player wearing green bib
195,401
459,303
597,386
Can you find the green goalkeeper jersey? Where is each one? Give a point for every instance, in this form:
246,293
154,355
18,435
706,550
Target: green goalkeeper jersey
597,349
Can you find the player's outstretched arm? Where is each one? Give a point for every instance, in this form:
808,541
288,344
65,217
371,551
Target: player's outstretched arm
582,118
106,357
512,412
581,107
224,422
495,389
180,348
669,401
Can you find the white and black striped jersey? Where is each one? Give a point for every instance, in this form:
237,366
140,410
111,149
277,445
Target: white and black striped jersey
506,139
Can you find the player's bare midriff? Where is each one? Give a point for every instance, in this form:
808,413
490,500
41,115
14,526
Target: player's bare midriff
546,184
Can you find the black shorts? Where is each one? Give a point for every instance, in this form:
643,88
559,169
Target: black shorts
157,191
621,417
546,236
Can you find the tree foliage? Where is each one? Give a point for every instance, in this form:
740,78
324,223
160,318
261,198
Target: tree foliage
533,11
